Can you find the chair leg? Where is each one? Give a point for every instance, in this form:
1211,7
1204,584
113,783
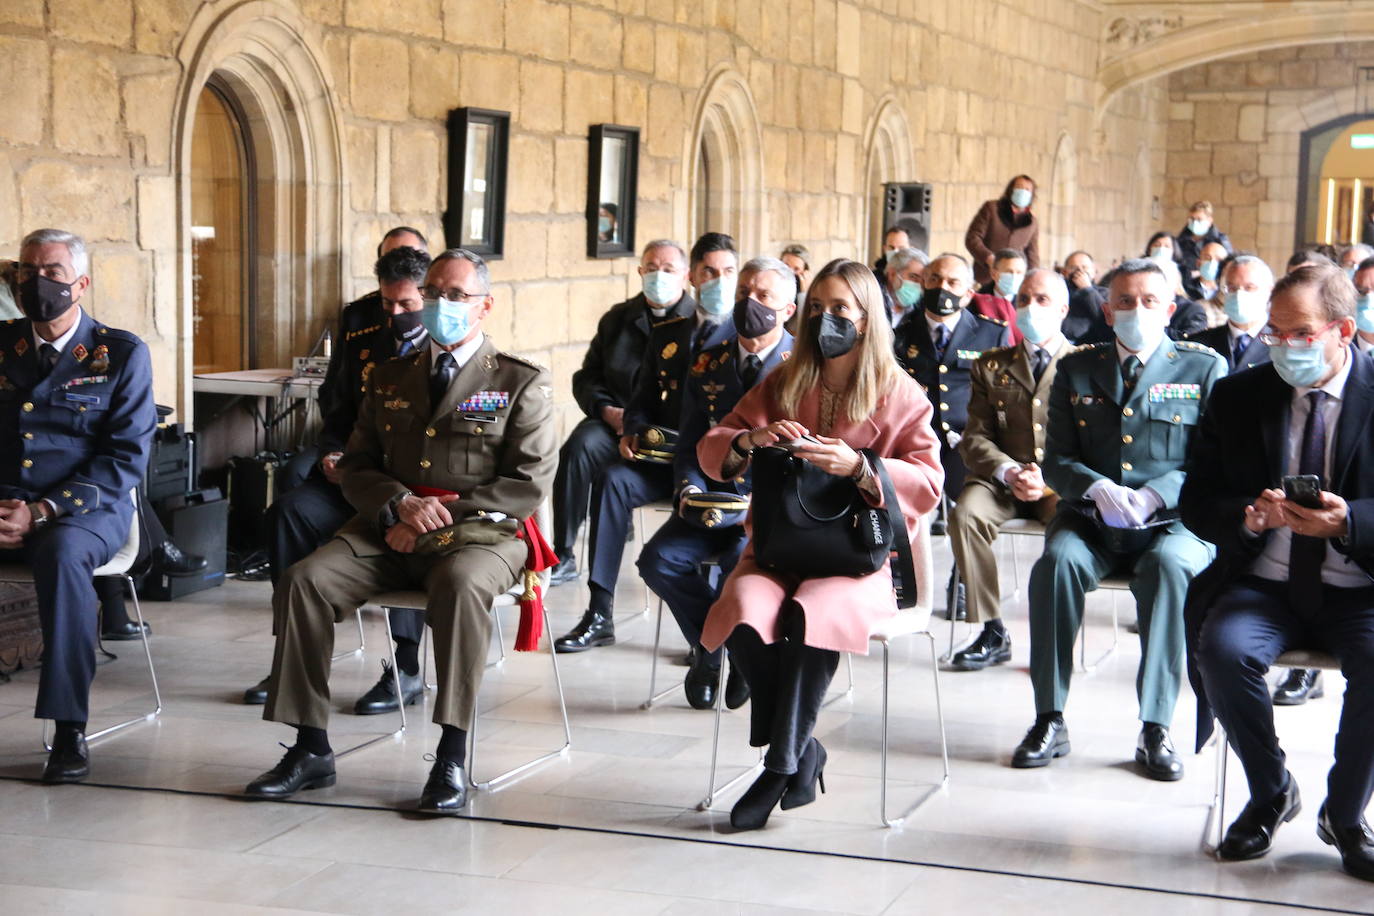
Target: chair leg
944,743
396,684
1083,640
500,642
1216,812
362,642
712,790
498,782
653,667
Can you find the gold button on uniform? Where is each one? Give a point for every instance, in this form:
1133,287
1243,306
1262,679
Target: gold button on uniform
28,435
1177,418
431,432
1082,422
944,408
1039,453
1127,412
28,406
1127,466
1035,402
27,462
1128,439
1037,427
424,462
387,428
944,368
944,387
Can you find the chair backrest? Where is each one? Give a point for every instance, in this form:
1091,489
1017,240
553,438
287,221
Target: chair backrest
543,517
125,557
1308,658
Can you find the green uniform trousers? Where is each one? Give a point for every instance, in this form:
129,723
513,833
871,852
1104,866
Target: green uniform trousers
984,507
1074,561
328,586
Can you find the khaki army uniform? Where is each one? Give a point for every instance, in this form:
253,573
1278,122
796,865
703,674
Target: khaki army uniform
490,439
1008,412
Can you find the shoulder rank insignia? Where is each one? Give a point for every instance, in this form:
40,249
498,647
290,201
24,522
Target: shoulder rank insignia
361,331
669,351
489,363
21,346
485,402
102,359
786,355
80,352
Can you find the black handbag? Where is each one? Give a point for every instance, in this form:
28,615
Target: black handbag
813,524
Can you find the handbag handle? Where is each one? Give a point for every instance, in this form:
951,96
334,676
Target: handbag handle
904,568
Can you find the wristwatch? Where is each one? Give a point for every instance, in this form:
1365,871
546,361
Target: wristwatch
742,452
39,514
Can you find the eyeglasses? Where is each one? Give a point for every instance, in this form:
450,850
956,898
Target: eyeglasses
452,295
1270,339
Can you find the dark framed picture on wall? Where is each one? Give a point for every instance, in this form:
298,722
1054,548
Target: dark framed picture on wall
478,143
612,190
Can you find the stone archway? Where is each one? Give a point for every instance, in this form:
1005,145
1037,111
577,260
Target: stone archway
888,156
266,56
1060,239
723,164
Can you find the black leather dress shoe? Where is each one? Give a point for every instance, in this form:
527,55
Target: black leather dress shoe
446,790
700,684
125,632
169,560
564,571
992,647
382,697
593,630
1154,750
69,761
960,605
298,769
736,688
939,527
1047,739
1356,845
257,694
1299,686
1252,834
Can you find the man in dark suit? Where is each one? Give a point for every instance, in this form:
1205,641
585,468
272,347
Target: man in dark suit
1244,292
76,421
604,386
309,514
1085,323
1289,575
645,473
671,561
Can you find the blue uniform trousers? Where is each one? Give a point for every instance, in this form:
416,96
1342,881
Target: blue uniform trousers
617,493
1249,625
590,448
671,566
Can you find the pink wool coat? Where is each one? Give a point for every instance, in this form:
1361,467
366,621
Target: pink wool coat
840,610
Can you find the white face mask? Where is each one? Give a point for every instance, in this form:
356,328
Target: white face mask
1140,328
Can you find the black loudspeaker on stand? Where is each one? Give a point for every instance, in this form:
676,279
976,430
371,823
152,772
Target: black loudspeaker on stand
907,204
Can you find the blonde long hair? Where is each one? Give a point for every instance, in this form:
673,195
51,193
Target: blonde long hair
877,372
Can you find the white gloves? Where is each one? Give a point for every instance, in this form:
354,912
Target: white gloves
1123,507
954,438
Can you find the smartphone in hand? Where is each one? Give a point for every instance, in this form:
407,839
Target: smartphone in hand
1303,489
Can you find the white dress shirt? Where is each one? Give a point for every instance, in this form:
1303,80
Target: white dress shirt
1273,562
762,354
60,343
1122,354
461,354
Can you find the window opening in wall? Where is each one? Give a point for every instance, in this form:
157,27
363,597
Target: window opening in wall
1336,195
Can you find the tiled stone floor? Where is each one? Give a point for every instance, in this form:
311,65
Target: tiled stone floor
157,828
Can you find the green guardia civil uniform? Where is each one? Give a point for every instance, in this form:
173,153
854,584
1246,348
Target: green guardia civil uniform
1136,438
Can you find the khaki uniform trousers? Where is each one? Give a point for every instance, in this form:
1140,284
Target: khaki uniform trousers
982,509
330,584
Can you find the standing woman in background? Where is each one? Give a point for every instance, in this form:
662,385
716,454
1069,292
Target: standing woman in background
843,387
1006,222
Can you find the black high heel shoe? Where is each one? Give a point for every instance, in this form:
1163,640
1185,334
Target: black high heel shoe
801,785
752,810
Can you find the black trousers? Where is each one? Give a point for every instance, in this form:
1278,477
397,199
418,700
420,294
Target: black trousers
305,519
671,566
953,463
620,489
1249,625
590,448
787,684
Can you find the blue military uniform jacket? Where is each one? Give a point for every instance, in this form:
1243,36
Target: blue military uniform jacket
356,359
79,437
363,317
1096,430
712,389
657,399
946,381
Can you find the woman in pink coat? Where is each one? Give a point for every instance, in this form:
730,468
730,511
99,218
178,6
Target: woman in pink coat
842,386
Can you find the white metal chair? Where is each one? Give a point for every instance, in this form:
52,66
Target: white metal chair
1115,585
1216,812
118,567
1007,532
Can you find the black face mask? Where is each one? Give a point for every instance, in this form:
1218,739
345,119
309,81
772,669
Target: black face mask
835,336
405,325
939,302
754,319
43,299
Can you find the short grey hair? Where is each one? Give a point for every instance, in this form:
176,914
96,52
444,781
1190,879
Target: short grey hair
1132,266
473,258
664,243
76,246
1361,250
899,259
1250,260
759,265
1061,286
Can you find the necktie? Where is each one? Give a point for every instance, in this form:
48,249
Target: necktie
699,338
942,335
1042,359
1130,371
439,382
749,371
1242,344
1306,554
405,348
47,358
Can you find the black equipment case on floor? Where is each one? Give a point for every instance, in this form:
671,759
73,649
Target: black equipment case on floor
198,523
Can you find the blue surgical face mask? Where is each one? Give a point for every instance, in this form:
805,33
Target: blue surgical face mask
717,297
1199,226
1020,197
1140,328
1038,322
603,225
908,294
1299,368
1208,270
1245,307
448,322
1008,283
1350,273
1364,313
662,288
